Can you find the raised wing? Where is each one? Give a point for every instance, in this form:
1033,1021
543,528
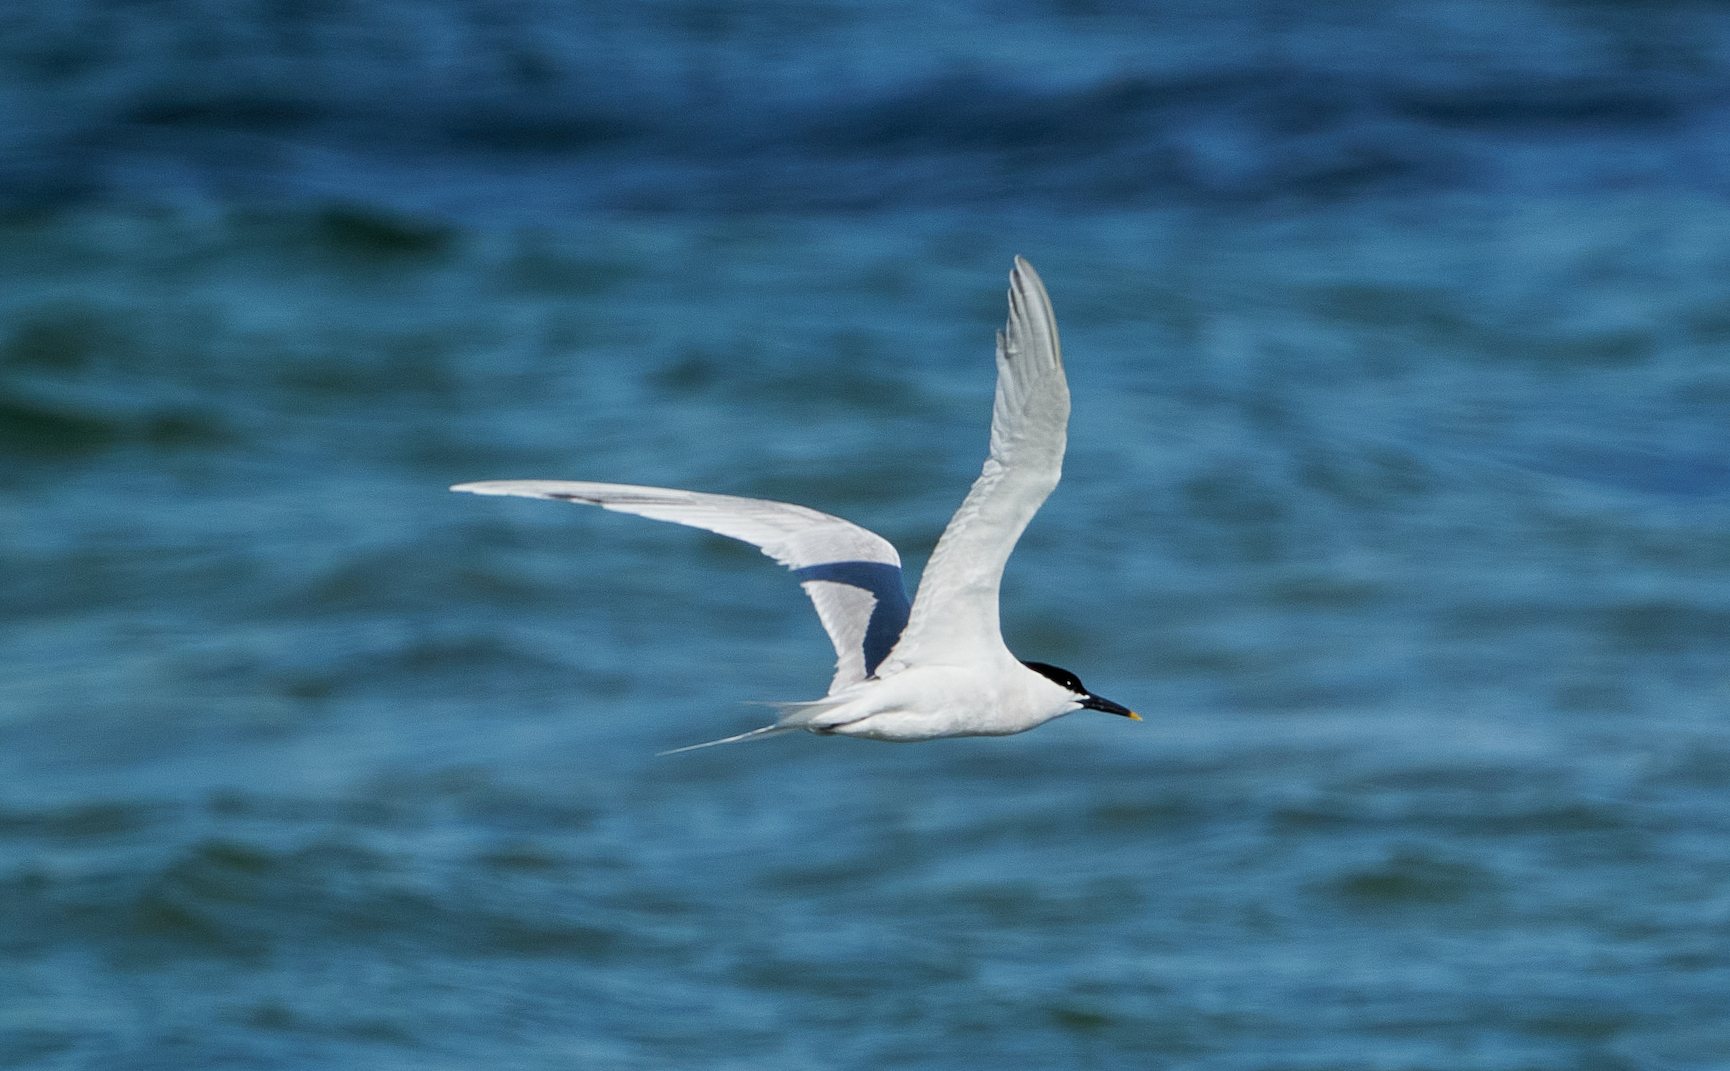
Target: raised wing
954,617
852,575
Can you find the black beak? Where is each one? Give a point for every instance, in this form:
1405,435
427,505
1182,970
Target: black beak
1094,702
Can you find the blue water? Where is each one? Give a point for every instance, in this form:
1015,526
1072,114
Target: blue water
1397,501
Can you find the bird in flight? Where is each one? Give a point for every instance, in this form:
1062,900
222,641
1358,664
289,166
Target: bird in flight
937,667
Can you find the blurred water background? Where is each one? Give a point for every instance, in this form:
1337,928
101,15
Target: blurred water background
1397,501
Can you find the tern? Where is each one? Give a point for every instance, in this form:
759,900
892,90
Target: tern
937,667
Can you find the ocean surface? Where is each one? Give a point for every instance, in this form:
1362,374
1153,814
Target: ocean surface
1397,502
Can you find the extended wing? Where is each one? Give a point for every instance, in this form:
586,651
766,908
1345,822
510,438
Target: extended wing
852,575
954,617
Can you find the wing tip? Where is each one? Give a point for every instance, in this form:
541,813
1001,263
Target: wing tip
1032,323
485,487
522,489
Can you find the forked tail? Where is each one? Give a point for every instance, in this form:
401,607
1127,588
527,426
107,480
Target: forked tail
794,716
754,734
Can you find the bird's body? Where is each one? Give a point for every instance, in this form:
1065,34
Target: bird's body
998,698
939,667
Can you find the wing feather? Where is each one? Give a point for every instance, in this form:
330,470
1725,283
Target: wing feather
852,575
955,614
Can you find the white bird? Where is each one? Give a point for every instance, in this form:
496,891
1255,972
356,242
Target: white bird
938,668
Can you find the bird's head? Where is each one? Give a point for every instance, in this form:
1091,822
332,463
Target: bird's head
1065,679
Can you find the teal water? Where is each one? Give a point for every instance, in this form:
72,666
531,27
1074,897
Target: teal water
1402,521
